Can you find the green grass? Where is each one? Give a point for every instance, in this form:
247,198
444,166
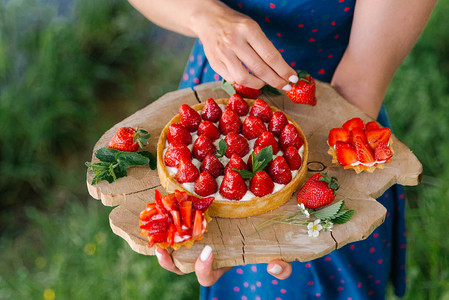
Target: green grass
65,79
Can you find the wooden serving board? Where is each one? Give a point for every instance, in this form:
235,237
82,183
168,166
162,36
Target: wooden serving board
233,240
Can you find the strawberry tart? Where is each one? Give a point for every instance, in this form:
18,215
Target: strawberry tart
246,154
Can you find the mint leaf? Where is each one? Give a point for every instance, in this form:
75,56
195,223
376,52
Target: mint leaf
329,212
262,159
222,147
131,159
151,157
102,171
343,216
244,173
106,154
228,88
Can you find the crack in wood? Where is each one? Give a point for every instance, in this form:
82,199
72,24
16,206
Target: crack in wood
196,96
144,190
243,244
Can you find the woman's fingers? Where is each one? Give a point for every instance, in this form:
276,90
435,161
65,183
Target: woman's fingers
279,269
203,268
166,261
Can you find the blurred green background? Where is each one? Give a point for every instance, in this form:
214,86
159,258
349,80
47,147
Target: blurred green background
69,70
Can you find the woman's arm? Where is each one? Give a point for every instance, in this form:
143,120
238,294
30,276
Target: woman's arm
383,33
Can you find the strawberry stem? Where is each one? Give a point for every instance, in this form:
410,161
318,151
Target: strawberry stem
331,181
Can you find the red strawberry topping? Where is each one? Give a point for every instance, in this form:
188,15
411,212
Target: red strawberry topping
236,162
175,152
382,152
303,91
357,132
353,123
229,122
267,139
277,123
290,137
236,144
202,147
212,165
253,127
338,134
261,110
371,125
189,118
211,111
261,184
280,171
237,104
205,185
187,172
233,186
376,136
201,204
364,153
292,158
178,133
246,92
318,191
208,128
346,154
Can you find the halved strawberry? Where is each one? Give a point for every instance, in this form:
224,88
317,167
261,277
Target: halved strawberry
353,123
236,144
277,123
233,186
253,127
371,125
197,225
178,133
189,118
185,208
156,226
201,204
203,146
364,153
209,129
235,162
176,219
382,152
246,92
175,152
170,202
181,196
261,184
148,212
211,111
337,134
267,139
157,238
357,132
171,234
280,171
205,185
229,122
346,154
237,104
376,136
290,137
187,172
261,110
158,201
212,165
292,158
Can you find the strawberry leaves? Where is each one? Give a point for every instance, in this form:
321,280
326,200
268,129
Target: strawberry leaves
259,162
141,137
334,213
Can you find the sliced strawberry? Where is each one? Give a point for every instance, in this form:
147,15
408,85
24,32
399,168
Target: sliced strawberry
205,185
277,123
337,134
175,152
237,104
376,136
201,204
229,122
357,132
176,219
185,209
209,129
292,158
236,144
189,118
382,152
170,202
211,111
197,225
148,212
261,110
280,171
353,123
187,172
235,162
290,137
346,154
267,139
157,238
212,165
202,147
158,200
253,127
261,184
233,186
181,196
178,133
246,92
364,153
371,125
171,234
157,226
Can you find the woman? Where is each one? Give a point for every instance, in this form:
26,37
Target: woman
357,47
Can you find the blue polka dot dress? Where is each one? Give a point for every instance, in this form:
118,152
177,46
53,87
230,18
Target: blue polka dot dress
312,35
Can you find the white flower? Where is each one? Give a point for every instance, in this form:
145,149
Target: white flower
314,228
328,225
304,210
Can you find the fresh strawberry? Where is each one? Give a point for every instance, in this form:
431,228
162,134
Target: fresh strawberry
208,128
229,122
211,111
304,90
171,234
357,132
189,118
157,226
212,165
201,204
376,136
236,162
157,238
280,171
346,154
261,184
261,110
267,139
187,172
237,104
277,123
290,137
181,196
236,144
246,92
128,139
185,208
233,186
371,125
202,147
318,191
178,133
338,134
382,152
364,153
205,185
292,158
197,225
353,123
170,202
148,212
175,152
253,127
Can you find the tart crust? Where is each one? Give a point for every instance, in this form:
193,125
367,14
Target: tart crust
230,208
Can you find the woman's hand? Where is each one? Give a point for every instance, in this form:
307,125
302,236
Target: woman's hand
207,276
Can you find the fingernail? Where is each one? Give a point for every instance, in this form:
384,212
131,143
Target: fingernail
288,87
293,79
275,269
158,254
205,253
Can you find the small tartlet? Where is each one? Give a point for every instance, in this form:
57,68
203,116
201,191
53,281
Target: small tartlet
228,208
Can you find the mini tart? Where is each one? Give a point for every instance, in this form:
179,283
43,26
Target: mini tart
228,208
